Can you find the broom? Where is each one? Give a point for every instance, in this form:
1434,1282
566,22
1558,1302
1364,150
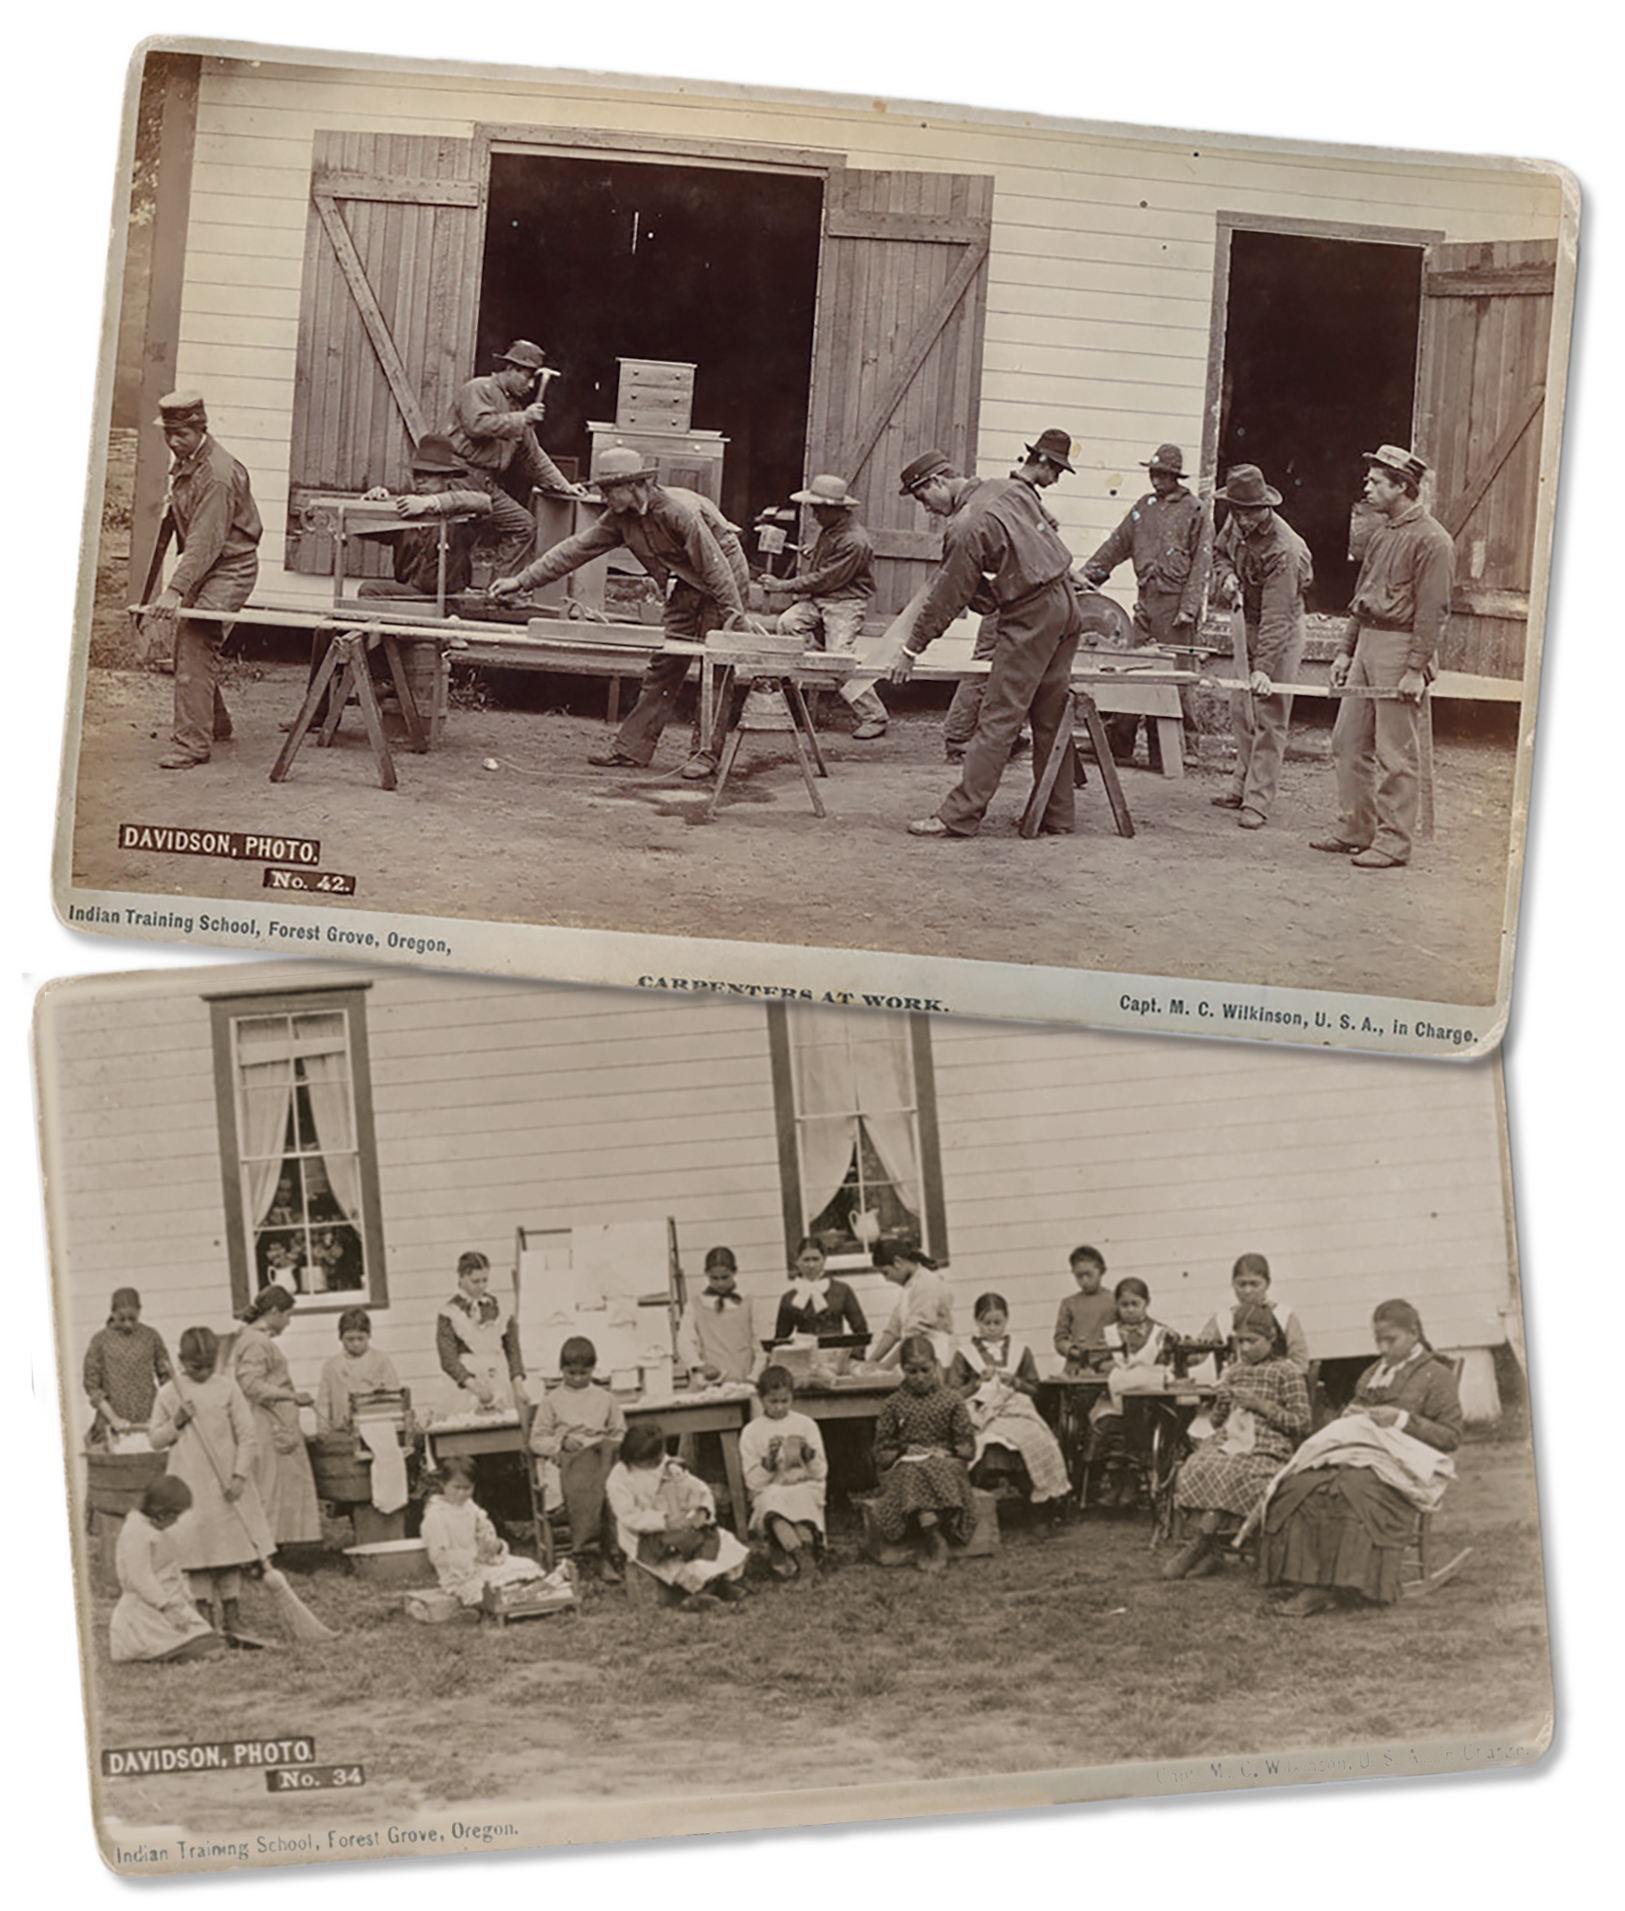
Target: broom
297,1616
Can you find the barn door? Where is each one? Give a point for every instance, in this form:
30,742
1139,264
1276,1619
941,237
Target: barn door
386,316
1481,389
897,353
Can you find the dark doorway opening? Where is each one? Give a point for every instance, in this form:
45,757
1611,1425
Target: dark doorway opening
1320,345
603,259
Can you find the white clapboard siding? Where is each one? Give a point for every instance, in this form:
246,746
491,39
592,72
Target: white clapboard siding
1100,270
499,1106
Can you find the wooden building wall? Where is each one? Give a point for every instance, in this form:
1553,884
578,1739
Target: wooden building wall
1099,280
500,1105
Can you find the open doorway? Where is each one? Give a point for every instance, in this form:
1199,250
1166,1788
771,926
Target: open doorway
599,259
1320,345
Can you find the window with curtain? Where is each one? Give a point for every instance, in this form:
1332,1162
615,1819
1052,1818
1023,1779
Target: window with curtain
858,1152
298,1161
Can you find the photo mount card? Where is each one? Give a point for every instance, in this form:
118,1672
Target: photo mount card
430,1117
926,278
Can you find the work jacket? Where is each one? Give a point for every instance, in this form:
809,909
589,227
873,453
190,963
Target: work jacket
681,535
1169,541
1275,571
1405,583
488,432
998,550
842,564
215,515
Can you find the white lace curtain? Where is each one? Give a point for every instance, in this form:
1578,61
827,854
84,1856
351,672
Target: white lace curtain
846,1067
268,1049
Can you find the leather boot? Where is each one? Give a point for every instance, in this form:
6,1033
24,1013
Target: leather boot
206,1610
230,1617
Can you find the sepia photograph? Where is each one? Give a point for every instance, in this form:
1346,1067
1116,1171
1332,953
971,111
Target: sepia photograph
502,1414
1111,564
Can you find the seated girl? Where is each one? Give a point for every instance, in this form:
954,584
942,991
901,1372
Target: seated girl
1338,1518
816,1303
358,1369
924,1441
154,1619
997,1378
782,1453
464,1550
1133,1349
576,1432
1259,1414
1250,1284
666,1523
924,1305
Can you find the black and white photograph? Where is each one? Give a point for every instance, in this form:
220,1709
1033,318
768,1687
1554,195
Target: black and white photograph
1111,563
506,1414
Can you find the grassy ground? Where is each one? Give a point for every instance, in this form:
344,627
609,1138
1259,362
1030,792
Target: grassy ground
1056,1653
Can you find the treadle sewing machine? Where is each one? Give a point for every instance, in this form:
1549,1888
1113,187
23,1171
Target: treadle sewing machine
1184,1354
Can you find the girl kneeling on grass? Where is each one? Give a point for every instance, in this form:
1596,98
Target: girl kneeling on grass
1259,1414
463,1546
785,1471
666,1523
154,1619
924,1441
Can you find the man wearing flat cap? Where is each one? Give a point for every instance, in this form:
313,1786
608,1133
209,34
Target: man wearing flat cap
1042,467
1000,553
1168,537
1396,622
217,526
492,428
832,594
1272,565
691,551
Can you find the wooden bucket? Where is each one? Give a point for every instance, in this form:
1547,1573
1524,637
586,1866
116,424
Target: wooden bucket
114,1482
342,1474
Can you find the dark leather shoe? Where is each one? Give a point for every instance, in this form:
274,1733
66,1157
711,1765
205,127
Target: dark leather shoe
1335,846
1376,859
1229,801
613,760
929,826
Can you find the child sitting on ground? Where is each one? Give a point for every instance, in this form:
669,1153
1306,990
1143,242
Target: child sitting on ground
666,1523
785,1470
924,1442
358,1369
577,1431
154,1619
997,1378
463,1546
1133,1347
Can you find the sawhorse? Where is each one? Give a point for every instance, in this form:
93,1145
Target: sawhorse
1079,703
771,704
347,670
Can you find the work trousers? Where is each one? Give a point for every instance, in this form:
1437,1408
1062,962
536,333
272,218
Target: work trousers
1031,677
201,716
510,530
1376,750
690,616
959,726
835,624
1261,723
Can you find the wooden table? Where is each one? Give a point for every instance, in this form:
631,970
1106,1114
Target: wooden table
676,1416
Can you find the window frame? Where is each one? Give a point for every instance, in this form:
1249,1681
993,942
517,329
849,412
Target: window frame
934,1216
349,1000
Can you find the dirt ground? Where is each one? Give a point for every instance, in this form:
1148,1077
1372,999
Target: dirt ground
545,838
1054,1653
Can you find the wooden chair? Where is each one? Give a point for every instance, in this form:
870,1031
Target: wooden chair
541,1525
1423,1550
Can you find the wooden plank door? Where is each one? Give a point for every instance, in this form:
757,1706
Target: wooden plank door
1481,389
387,313
897,350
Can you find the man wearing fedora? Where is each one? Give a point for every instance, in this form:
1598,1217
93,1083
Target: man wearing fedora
1396,623
691,551
1042,467
1168,537
999,552
831,595
492,428
440,489
217,527
1273,568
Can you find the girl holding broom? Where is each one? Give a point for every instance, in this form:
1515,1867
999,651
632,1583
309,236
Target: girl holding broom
203,1419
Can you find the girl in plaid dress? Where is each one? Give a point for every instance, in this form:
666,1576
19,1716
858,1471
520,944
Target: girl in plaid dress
1259,1415
924,1441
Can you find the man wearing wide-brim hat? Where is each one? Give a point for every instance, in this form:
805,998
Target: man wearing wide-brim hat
1272,565
1397,620
492,428
217,525
832,593
1042,466
999,547
440,489
1168,536
691,551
